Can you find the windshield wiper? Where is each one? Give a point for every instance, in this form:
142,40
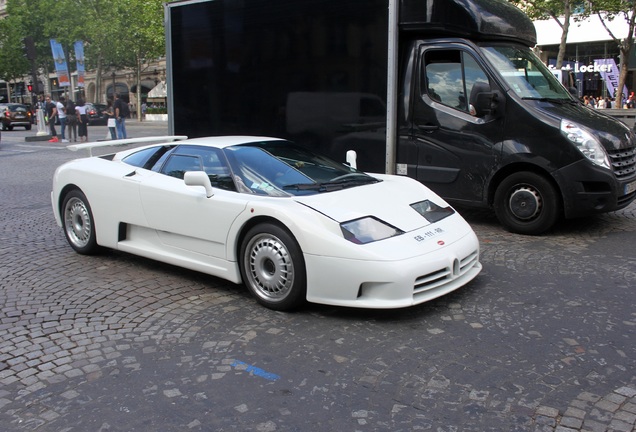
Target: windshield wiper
547,99
333,185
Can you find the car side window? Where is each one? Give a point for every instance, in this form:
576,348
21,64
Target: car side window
146,158
199,158
450,76
177,165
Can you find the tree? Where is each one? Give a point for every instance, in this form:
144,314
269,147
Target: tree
13,63
116,33
608,10
141,39
558,10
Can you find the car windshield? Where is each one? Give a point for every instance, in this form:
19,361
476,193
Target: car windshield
279,168
526,75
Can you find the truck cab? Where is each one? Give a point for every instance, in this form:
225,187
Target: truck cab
462,103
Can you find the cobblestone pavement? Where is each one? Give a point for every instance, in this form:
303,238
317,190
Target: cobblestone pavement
542,340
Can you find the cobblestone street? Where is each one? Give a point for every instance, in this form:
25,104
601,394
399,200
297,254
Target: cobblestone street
542,340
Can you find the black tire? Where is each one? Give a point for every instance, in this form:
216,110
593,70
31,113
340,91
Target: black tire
273,268
78,223
27,127
10,127
527,203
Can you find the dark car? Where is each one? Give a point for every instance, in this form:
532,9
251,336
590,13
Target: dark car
13,114
96,114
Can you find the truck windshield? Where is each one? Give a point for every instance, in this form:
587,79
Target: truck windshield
525,73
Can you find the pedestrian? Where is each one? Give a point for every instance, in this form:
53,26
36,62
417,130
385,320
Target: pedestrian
51,116
71,120
121,113
600,104
112,123
82,120
144,107
61,114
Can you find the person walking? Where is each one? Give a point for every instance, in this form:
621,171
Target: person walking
112,123
121,113
71,120
51,115
61,114
82,120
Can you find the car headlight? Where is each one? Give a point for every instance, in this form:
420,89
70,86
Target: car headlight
368,229
431,211
586,143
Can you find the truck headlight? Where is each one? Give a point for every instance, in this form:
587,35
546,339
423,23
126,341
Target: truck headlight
368,229
585,142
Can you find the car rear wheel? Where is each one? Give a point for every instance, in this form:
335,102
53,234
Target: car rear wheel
527,203
272,267
78,223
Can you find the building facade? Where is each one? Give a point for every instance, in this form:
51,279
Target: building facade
592,57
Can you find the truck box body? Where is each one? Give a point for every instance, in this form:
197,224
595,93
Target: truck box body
461,104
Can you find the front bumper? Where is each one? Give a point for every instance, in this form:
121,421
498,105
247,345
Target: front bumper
392,284
588,189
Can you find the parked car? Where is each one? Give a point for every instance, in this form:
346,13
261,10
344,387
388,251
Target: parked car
96,114
14,114
293,226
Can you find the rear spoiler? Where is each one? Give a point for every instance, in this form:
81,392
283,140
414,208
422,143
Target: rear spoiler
115,143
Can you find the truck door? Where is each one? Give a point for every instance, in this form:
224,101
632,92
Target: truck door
455,141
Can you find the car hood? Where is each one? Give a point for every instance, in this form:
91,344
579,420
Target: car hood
388,200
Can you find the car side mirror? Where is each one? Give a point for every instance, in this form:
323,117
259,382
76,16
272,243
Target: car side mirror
199,178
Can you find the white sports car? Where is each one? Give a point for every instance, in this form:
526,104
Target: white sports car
291,225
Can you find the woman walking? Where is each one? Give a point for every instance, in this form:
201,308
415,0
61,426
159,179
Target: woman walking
82,120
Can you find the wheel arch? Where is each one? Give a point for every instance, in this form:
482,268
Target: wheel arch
512,168
63,192
252,222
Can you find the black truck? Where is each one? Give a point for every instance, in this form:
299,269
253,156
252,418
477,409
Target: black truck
448,92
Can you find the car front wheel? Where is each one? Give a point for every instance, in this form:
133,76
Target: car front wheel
272,267
527,203
78,223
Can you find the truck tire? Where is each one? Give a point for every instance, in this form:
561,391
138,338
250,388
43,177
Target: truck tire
527,203
273,268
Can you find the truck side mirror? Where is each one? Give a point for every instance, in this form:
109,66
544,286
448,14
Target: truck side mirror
484,101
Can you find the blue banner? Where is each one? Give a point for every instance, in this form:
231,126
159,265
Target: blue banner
79,58
60,64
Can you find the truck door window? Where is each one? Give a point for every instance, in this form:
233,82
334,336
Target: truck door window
450,76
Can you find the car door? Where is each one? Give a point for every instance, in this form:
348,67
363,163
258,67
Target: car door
455,144
183,216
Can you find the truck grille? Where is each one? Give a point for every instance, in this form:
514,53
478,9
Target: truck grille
623,161
445,275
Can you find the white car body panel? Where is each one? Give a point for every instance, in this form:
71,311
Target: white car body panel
159,217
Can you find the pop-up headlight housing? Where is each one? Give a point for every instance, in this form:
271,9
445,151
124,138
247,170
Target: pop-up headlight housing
368,229
431,211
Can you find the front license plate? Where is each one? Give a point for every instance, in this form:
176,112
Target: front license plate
630,187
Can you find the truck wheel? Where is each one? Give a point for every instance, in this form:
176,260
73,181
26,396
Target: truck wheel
527,203
272,267
78,223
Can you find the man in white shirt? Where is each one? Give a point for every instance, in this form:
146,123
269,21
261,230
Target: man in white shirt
61,113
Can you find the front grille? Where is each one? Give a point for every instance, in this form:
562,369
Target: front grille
623,162
444,275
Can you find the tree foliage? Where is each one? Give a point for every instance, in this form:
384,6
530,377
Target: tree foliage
558,10
116,33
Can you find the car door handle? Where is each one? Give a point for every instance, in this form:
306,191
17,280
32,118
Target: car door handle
427,128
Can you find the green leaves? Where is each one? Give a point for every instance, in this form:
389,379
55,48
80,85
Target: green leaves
118,32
